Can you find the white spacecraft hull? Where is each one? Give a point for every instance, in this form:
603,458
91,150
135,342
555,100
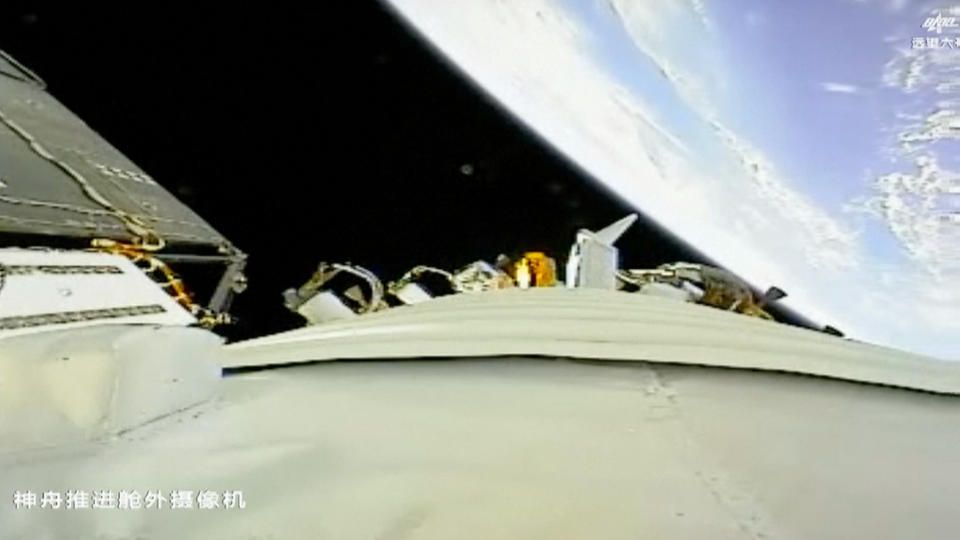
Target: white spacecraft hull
520,448
594,324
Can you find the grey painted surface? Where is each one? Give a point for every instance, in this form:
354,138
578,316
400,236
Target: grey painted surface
39,197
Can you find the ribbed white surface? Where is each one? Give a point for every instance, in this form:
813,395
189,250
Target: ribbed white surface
595,324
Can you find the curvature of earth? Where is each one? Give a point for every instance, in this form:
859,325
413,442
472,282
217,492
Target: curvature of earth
812,145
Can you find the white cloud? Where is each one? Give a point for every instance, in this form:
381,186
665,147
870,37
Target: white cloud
917,209
920,208
913,70
700,9
941,124
825,243
840,88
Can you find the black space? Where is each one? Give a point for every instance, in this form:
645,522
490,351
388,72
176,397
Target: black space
317,134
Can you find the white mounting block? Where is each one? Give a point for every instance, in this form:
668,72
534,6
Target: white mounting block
44,290
593,260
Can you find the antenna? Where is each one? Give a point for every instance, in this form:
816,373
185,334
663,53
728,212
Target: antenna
593,260
611,233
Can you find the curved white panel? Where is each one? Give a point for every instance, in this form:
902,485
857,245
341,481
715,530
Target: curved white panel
69,386
522,449
595,324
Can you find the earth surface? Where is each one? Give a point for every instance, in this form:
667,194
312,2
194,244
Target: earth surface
810,145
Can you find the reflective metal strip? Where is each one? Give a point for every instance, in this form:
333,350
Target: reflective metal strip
65,317
24,270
